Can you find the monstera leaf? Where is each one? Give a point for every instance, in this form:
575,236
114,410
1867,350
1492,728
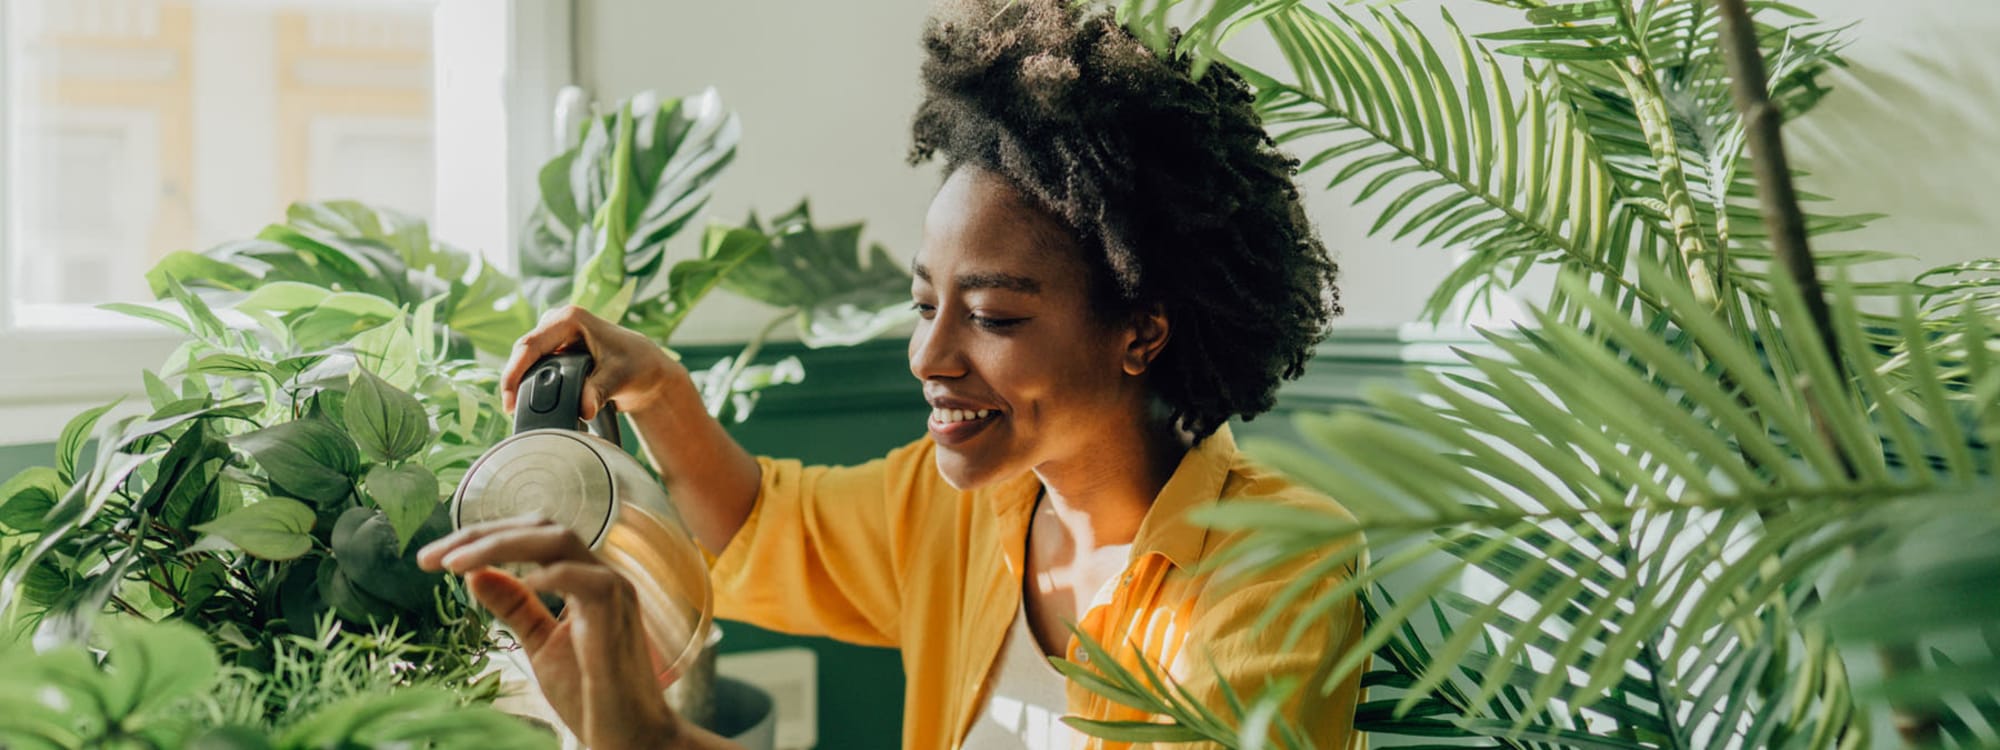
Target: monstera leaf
610,204
842,298
356,249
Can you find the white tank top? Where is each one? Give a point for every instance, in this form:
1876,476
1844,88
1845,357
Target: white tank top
1025,698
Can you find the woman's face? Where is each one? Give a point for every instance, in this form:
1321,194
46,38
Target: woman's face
1017,367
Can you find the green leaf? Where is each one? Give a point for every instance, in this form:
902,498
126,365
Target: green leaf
1133,731
26,498
636,179
389,351
286,296
308,458
388,424
844,296
69,448
195,269
407,494
369,554
150,666
274,528
149,312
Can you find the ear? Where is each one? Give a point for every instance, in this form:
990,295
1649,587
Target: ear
1146,338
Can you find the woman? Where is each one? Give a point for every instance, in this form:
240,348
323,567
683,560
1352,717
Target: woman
1116,264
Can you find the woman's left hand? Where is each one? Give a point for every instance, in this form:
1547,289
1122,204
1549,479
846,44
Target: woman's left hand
593,663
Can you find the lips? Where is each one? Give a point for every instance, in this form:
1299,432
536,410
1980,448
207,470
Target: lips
955,421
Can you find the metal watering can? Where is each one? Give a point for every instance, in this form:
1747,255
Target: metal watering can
587,482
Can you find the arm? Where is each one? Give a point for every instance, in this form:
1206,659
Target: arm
712,480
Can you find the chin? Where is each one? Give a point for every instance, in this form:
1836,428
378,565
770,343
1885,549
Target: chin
966,473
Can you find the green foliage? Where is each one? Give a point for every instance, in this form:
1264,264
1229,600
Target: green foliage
843,296
162,685
1662,515
338,378
610,203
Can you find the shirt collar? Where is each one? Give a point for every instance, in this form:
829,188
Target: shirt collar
1197,482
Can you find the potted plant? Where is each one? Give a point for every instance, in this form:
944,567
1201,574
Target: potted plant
338,378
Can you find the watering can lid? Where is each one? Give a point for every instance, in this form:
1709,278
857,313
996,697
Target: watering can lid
551,472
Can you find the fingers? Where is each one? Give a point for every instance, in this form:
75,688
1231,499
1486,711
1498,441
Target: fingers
515,604
522,539
612,652
558,330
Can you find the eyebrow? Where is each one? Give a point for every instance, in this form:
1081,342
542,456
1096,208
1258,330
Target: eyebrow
974,281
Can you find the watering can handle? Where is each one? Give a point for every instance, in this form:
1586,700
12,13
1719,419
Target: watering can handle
551,396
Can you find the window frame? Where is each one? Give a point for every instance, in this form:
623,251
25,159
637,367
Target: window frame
508,71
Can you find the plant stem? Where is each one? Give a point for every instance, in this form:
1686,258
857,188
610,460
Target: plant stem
1642,84
742,362
1778,197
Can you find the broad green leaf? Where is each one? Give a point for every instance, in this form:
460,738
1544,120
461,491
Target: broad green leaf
387,424
844,296
407,494
274,528
26,498
195,269
308,458
656,160
370,556
389,351
149,666
287,296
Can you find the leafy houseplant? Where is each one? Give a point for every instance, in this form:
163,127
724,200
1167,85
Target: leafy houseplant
162,685
337,381
1673,510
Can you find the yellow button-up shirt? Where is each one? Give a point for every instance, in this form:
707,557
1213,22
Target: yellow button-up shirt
888,554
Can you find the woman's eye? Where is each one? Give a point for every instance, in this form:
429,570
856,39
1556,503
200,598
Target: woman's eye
996,324
924,311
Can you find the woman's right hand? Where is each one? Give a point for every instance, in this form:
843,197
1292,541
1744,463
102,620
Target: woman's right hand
628,368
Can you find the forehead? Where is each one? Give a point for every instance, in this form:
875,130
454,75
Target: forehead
978,223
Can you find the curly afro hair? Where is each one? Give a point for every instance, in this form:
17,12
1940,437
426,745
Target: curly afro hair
1169,184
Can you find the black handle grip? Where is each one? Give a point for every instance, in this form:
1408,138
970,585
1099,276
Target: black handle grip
551,397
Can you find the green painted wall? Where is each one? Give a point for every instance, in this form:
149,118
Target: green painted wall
857,403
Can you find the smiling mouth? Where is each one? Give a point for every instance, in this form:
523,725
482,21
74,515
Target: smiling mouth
952,427
955,416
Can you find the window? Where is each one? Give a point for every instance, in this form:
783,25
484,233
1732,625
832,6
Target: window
133,128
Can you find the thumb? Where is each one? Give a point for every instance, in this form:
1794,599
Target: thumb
592,398
515,605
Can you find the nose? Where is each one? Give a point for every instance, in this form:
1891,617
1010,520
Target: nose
934,351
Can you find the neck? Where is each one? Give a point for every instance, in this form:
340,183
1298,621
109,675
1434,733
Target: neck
1100,497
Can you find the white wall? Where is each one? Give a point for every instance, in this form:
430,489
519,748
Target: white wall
826,91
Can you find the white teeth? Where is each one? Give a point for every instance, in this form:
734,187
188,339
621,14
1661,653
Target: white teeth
950,416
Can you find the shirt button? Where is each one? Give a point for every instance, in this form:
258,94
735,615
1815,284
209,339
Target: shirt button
1083,657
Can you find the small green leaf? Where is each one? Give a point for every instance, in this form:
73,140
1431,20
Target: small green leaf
27,497
407,494
274,528
148,312
309,458
388,424
70,447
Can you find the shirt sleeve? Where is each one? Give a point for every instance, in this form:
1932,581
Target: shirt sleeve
821,552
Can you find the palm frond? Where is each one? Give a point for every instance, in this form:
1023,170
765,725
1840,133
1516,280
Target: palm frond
1627,514
1496,167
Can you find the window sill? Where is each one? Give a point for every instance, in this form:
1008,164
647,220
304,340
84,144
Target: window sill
53,374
